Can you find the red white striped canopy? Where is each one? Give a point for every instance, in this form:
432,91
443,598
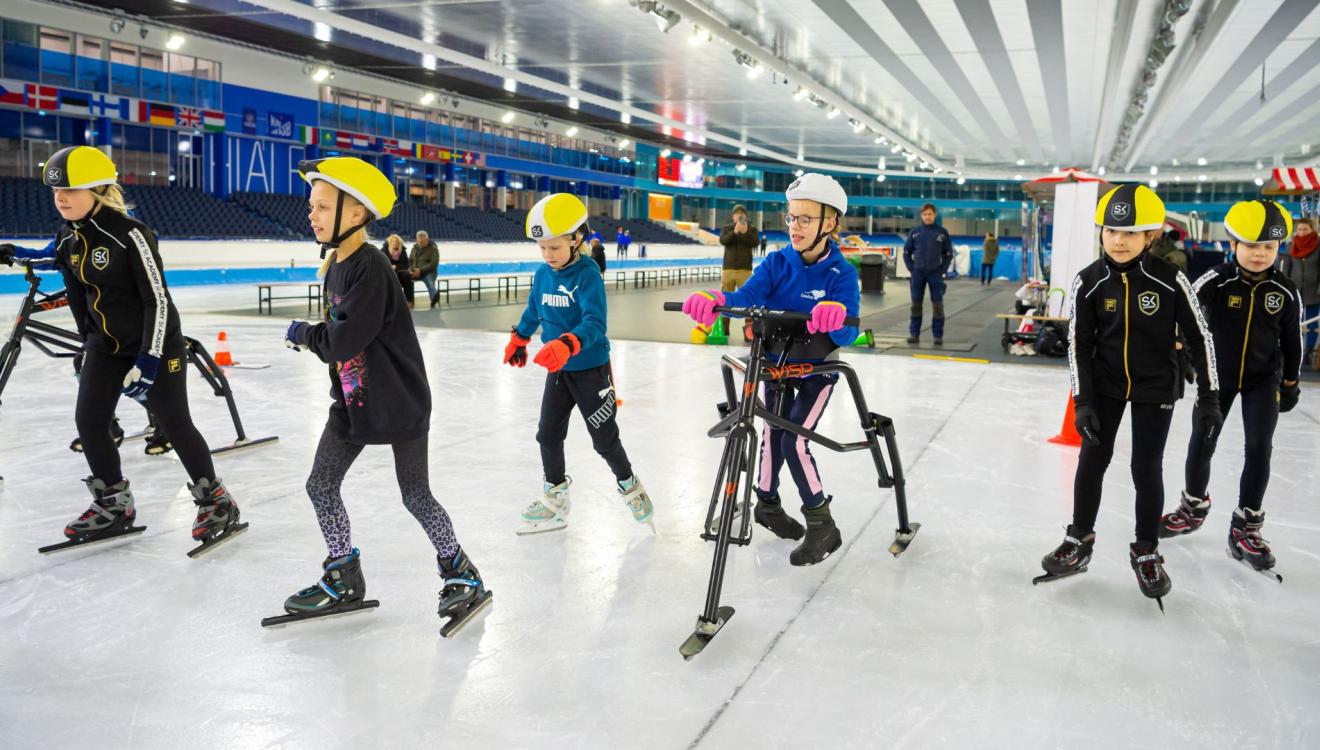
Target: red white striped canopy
1297,178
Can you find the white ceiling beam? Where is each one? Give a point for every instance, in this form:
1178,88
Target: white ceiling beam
1125,14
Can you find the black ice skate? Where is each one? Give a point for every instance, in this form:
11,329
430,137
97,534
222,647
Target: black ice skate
1069,558
823,537
1191,513
217,516
771,514
341,590
1149,567
111,515
116,432
157,443
1246,544
463,596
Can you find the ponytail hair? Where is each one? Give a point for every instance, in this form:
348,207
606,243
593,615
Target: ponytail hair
112,197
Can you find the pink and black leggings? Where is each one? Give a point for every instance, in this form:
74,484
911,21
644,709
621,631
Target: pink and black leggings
807,399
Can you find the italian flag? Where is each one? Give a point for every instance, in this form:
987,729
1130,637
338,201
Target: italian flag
307,134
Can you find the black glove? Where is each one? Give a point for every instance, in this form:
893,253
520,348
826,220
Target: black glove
1207,417
1087,423
1185,367
78,362
7,254
1288,395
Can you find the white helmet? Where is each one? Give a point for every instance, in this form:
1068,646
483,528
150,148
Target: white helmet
814,186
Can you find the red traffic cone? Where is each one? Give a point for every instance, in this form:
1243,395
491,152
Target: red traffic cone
222,356
1068,432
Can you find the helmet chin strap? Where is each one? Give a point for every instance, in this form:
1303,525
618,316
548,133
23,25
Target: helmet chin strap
819,234
338,238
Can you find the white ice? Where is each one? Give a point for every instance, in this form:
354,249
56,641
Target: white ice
132,644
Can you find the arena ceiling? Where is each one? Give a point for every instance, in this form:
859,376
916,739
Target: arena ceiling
990,88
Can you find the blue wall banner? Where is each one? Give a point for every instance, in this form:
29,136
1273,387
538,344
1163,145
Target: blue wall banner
279,125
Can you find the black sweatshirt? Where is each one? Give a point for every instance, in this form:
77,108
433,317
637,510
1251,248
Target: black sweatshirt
1256,326
1122,325
377,377
116,286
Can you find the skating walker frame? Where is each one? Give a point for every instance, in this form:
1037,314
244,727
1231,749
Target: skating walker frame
738,429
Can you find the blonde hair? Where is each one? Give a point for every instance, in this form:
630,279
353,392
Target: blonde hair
831,211
112,197
393,237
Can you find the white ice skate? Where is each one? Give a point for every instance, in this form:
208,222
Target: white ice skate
638,503
550,512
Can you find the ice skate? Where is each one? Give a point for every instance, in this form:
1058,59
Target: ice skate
1149,567
463,595
638,502
549,512
217,516
341,590
110,515
1069,558
1190,515
1245,542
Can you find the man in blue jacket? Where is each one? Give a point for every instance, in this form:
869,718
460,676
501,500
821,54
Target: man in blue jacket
927,255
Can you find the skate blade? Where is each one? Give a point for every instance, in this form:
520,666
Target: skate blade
901,540
704,633
531,529
218,540
132,530
1267,572
281,620
244,445
1052,577
456,624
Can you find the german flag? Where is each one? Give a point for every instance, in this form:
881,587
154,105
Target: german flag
156,114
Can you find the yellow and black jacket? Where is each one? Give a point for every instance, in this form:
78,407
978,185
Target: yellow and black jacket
116,286
1256,326
1123,323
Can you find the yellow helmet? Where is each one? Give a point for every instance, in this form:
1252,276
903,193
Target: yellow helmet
355,177
556,215
78,167
1258,221
1130,207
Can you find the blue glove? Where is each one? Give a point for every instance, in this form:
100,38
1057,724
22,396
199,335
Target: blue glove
296,337
140,379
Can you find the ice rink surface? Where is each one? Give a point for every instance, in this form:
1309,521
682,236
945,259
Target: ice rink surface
133,645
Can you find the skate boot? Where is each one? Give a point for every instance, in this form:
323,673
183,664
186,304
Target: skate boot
638,502
157,443
116,433
1245,542
1190,515
823,537
550,512
341,590
770,513
463,595
1069,558
217,515
110,514
1149,567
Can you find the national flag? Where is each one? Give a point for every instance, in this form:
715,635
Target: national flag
11,92
343,139
326,138
101,105
403,148
74,102
156,114
307,134
361,142
430,153
213,121
187,117
467,157
41,97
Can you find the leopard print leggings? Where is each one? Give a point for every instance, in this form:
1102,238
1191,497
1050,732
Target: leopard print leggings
333,459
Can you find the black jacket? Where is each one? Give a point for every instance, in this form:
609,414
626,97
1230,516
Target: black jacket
1256,326
1122,325
598,255
377,377
116,285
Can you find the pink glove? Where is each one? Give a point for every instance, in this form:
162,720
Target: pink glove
826,317
700,306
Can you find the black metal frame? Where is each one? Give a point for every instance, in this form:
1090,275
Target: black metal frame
54,341
737,427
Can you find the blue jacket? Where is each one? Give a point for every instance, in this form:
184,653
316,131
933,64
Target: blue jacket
24,253
783,282
571,300
928,248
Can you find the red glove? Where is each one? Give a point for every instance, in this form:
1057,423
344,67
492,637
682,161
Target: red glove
554,355
515,352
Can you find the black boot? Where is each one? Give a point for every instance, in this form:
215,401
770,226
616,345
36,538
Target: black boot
1072,556
1149,567
823,537
770,514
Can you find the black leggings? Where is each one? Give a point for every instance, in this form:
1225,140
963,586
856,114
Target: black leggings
592,392
100,385
333,459
1260,414
1150,430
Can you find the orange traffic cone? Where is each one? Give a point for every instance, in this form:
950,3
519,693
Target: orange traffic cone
222,356
1068,432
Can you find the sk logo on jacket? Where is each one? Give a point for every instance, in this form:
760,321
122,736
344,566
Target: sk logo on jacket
1273,303
101,258
1148,302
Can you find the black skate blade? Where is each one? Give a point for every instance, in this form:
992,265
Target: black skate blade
217,540
74,543
1052,577
240,445
281,620
705,631
457,622
1267,572
1160,601
902,540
